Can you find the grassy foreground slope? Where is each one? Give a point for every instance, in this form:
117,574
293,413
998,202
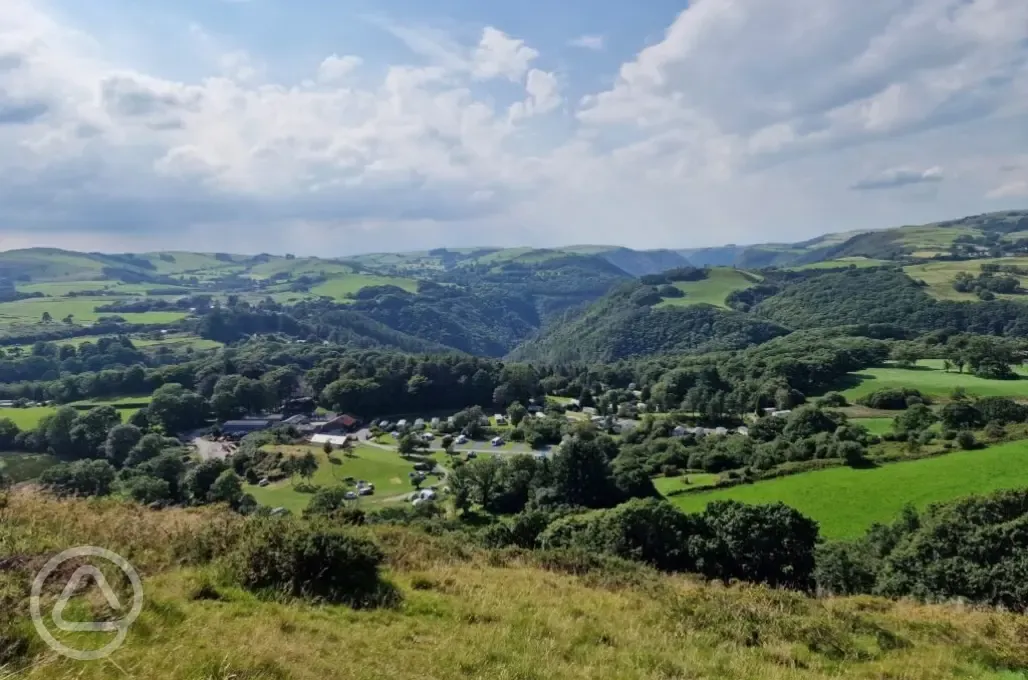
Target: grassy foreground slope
846,501
470,613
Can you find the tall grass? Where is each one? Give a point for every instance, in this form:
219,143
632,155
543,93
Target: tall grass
473,613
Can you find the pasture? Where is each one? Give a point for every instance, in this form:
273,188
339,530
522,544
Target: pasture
930,379
339,287
712,290
939,277
877,426
859,262
30,311
666,485
846,501
28,418
385,469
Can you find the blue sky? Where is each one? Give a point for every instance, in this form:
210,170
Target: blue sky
356,125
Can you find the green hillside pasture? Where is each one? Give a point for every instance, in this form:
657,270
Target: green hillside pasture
312,266
338,287
51,264
666,485
930,379
859,262
877,426
28,312
846,501
939,277
712,290
385,469
930,236
28,418
184,262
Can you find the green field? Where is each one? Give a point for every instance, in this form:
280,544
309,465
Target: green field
28,418
859,262
385,469
338,288
846,501
930,379
30,311
666,485
712,290
939,277
930,236
877,426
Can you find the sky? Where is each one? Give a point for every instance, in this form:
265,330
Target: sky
334,128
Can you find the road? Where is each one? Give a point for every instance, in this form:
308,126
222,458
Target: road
364,437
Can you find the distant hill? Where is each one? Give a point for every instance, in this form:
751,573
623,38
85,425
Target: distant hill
631,322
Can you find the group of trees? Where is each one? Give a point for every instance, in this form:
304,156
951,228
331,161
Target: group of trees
986,285
971,549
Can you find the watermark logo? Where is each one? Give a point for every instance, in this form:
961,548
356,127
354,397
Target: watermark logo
78,578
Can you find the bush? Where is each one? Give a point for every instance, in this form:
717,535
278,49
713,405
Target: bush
994,430
311,560
834,400
966,440
893,399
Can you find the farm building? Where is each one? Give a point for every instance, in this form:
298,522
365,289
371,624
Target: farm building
333,439
241,428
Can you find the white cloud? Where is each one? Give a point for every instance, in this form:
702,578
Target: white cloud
898,177
1017,188
750,120
589,42
335,68
500,55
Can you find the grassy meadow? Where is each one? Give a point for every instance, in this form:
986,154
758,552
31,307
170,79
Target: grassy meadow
339,287
712,290
939,277
846,501
385,469
28,418
466,612
30,311
859,262
929,377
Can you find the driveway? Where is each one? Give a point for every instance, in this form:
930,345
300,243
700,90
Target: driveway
207,449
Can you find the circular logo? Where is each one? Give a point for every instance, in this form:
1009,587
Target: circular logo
119,627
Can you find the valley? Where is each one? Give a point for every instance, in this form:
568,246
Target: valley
730,429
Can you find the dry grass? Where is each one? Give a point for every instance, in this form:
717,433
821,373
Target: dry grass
469,613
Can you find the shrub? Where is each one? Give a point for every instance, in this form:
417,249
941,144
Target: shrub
994,430
311,560
834,400
894,399
966,440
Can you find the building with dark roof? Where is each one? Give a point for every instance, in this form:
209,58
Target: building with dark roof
239,428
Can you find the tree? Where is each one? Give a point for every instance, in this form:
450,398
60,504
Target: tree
120,442
227,488
177,409
966,440
947,365
8,434
305,466
853,453
915,419
329,501
46,318
410,444
200,479
146,489
90,431
582,475
327,448
516,412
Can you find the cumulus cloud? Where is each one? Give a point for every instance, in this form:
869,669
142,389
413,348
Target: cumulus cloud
898,177
743,123
589,42
1017,188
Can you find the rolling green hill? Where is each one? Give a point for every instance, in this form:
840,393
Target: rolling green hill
846,501
634,321
719,284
